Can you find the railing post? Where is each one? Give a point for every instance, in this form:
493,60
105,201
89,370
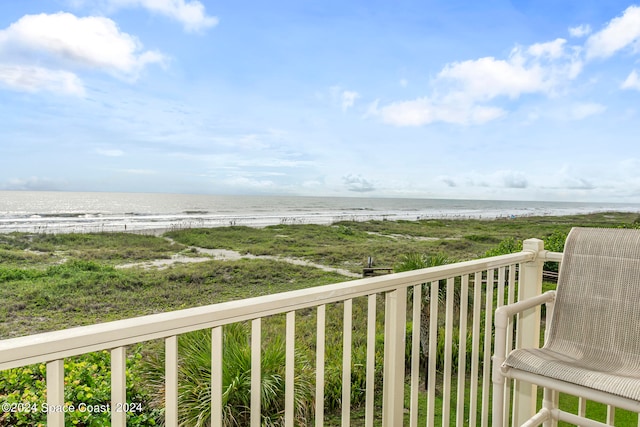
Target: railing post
394,351
55,393
528,328
171,381
216,376
118,386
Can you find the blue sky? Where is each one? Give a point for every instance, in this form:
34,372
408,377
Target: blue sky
515,100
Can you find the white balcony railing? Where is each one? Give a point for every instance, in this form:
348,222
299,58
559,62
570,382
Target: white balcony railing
461,301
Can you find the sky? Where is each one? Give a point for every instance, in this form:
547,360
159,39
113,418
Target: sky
454,99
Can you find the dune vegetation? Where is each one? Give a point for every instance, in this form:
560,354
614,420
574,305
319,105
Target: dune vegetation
55,281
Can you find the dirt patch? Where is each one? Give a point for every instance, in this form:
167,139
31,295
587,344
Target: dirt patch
229,255
164,263
409,237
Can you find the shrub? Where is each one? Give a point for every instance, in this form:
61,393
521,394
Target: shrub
8,274
194,379
87,382
481,238
555,243
455,349
416,261
333,374
506,246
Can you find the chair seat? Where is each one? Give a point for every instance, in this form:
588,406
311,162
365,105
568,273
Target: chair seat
602,374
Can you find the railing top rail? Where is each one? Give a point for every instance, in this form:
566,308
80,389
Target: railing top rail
48,346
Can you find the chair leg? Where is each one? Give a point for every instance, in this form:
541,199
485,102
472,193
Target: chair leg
556,405
550,402
497,377
497,415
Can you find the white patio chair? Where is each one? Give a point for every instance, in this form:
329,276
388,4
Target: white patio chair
592,346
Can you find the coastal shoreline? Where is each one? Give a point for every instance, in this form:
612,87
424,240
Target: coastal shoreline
160,224
70,212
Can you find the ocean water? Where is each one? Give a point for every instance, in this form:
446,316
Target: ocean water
63,212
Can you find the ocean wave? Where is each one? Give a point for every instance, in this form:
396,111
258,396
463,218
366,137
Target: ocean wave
160,212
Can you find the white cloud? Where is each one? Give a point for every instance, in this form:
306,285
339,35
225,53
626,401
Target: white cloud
191,14
497,179
577,184
243,181
450,182
33,183
584,110
513,179
423,111
621,32
348,99
65,39
408,113
357,183
462,90
567,177
540,68
632,81
554,49
487,78
36,79
580,31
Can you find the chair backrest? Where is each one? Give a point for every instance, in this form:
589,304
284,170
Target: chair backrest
597,311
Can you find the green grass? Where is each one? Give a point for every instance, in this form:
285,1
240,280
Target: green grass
348,244
24,250
84,292
595,411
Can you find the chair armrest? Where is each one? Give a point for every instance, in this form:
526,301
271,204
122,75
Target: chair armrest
501,321
504,312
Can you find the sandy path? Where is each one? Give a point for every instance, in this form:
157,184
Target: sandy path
229,255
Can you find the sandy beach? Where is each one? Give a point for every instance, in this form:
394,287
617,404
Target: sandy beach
67,212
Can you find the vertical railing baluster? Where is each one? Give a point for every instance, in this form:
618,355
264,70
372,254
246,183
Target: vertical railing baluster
415,356
582,408
486,367
611,415
320,350
256,372
346,362
118,387
448,350
290,369
462,349
500,301
512,284
394,352
510,300
433,354
475,348
216,376
55,392
171,381
501,284
371,360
